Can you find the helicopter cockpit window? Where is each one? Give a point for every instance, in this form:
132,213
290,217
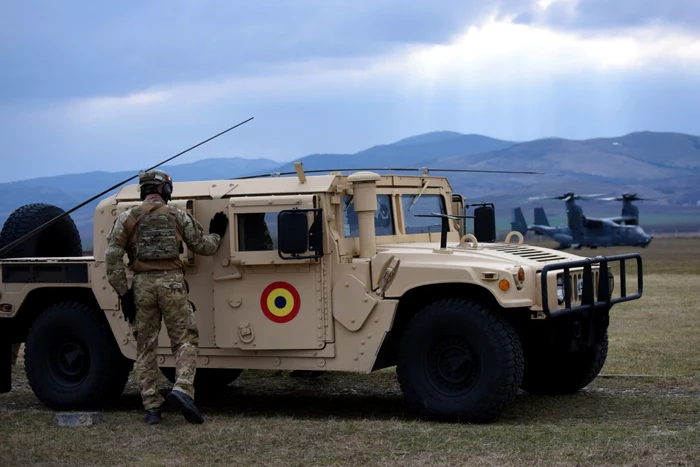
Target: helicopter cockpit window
383,219
424,204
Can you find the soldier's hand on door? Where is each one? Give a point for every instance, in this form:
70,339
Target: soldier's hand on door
218,224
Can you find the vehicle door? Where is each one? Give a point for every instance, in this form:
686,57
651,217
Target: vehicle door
262,301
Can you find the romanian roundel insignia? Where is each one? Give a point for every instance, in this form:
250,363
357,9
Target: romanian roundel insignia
280,302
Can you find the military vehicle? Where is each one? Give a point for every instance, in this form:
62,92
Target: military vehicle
366,272
582,231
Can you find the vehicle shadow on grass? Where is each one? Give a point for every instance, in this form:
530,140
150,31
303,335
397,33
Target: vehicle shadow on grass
365,399
233,401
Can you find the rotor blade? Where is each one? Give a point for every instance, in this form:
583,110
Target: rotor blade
487,171
596,195
388,169
13,244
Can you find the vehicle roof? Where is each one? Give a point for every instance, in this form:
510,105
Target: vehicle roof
279,185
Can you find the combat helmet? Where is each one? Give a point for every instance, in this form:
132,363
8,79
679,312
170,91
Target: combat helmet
150,181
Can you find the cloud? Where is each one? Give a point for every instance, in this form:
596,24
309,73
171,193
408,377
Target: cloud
105,87
609,14
496,53
56,49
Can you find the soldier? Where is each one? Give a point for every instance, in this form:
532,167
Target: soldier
15,353
151,236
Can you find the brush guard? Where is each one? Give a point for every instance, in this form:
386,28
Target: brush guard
588,300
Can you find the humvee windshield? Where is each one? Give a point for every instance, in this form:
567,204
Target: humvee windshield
411,205
383,217
425,204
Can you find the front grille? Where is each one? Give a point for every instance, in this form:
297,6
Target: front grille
577,276
591,270
529,253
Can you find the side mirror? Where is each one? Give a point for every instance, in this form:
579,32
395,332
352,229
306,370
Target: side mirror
485,224
295,238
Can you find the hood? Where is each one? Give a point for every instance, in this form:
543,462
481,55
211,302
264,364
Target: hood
532,256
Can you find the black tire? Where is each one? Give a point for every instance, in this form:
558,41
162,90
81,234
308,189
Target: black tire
72,360
207,379
564,373
459,362
60,239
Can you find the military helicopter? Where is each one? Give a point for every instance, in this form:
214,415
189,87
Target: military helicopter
582,231
630,212
518,223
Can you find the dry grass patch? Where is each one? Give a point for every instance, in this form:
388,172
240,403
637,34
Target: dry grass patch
362,420
268,418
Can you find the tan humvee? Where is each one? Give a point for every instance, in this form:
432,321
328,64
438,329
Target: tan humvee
357,280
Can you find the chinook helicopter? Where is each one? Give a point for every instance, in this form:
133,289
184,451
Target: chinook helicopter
582,231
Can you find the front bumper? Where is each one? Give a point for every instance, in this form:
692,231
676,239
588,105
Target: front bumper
588,299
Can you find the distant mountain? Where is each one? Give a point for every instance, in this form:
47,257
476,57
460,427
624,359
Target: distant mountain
676,150
663,166
409,152
205,169
556,156
430,138
67,191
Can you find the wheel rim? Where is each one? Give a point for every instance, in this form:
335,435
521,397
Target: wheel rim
69,361
453,366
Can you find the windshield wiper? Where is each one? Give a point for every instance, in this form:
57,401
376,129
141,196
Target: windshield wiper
422,190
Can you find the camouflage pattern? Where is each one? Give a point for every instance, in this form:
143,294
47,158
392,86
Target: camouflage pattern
117,243
163,296
154,177
160,292
157,234
15,353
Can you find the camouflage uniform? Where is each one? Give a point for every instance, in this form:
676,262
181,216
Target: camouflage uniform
159,286
15,353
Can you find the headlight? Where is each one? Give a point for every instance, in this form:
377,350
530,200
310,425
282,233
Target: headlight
560,290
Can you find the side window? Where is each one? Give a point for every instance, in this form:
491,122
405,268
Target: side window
425,204
257,231
383,217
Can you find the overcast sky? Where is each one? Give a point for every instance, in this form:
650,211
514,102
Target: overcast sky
88,85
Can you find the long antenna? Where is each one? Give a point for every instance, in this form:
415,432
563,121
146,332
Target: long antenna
424,170
11,245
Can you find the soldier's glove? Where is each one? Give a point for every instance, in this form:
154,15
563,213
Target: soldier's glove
128,305
218,224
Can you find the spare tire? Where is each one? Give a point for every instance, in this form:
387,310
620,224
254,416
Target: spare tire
59,239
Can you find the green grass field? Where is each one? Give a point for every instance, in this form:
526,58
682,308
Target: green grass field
267,418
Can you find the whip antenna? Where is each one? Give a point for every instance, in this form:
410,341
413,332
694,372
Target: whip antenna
11,245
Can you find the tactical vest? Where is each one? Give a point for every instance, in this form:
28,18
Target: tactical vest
154,238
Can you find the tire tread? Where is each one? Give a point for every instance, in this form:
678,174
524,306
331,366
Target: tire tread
113,370
506,338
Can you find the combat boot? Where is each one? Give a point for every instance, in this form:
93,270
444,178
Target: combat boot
186,405
153,416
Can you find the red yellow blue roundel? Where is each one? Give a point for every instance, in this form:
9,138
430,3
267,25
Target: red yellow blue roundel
280,302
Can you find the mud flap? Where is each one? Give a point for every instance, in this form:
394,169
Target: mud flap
5,364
